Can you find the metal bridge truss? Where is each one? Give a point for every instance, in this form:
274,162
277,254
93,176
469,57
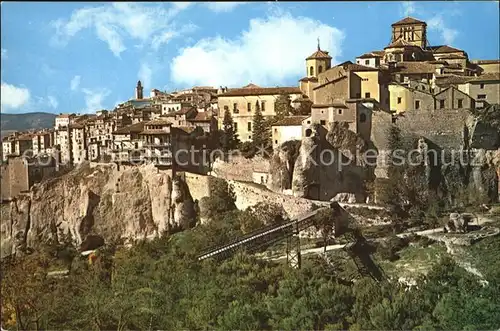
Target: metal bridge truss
266,236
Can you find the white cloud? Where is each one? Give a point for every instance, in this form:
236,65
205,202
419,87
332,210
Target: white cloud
437,23
13,97
145,74
52,101
4,54
112,23
264,54
223,6
94,99
408,8
75,83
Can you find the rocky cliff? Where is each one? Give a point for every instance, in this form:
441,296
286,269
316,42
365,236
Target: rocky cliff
321,167
130,203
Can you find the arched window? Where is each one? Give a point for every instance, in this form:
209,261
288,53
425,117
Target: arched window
362,118
308,132
320,69
311,71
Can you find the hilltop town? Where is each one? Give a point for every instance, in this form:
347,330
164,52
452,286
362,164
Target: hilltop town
119,220
408,75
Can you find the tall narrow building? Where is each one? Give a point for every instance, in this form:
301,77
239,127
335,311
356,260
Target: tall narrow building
139,91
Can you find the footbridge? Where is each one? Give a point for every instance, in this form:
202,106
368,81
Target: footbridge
268,235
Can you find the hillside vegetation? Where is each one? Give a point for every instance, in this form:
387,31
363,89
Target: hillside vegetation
26,121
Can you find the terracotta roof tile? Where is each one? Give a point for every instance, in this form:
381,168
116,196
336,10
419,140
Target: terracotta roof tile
134,128
261,91
291,120
443,49
408,20
486,61
159,121
202,117
370,55
490,76
319,54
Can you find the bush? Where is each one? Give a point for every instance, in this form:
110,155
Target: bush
389,249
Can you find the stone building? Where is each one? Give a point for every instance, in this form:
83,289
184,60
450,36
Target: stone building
488,66
289,128
19,174
242,103
485,89
356,112
127,143
316,63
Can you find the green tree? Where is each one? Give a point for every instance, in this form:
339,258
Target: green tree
260,134
229,137
282,106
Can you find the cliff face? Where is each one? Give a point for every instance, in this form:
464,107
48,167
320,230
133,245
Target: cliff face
321,168
129,203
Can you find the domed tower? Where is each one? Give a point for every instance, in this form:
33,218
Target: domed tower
318,62
138,91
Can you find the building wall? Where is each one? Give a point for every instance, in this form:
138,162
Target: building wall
490,67
21,146
490,89
415,36
7,149
450,97
373,62
326,94
243,116
18,173
63,141
4,182
408,98
78,145
370,84
318,66
282,133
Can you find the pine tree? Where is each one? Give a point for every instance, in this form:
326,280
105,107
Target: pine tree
259,132
229,139
282,106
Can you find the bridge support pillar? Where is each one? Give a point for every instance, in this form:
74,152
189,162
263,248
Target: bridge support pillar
293,257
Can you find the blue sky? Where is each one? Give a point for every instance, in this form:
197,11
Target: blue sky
81,57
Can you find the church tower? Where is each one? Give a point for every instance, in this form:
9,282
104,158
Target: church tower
318,62
411,30
138,91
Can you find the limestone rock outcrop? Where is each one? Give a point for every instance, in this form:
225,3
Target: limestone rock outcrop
320,166
131,203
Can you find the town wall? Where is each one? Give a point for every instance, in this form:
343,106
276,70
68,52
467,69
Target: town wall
239,168
444,127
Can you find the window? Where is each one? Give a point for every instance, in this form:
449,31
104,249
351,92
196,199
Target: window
417,104
460,103
441,104
362,118
311,71
308,122
275,130
367,94
226,108
367,62
249,125
423,88
320,69
364,79
249,106
276,141
235,126
250,137
235,108
481,96
263,105
481,86
399,100
339,111
322,122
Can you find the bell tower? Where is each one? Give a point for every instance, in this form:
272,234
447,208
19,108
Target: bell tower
411,30
139,91
318,62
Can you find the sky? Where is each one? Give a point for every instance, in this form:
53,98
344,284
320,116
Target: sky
80,57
